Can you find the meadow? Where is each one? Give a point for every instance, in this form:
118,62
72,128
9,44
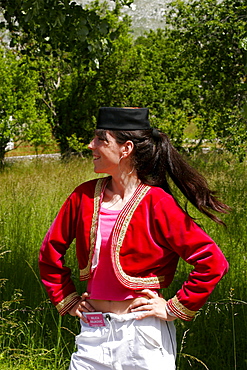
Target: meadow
33,336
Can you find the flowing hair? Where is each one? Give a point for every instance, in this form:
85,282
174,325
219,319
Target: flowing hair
155,158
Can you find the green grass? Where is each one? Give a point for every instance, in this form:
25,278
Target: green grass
33,336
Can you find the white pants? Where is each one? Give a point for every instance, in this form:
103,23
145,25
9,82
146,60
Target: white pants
126,344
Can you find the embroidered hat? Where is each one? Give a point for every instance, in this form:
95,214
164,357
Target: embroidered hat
111,118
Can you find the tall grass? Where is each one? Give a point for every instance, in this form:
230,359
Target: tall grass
33,336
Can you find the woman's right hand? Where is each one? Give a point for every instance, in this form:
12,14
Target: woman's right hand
80,307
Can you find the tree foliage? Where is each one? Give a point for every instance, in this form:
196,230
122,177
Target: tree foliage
76,99
59,27
23,116
67,42
193,72
131,75
208,36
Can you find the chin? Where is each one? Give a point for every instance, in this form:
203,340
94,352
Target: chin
98,171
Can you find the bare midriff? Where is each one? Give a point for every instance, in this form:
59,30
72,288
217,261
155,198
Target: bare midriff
117,307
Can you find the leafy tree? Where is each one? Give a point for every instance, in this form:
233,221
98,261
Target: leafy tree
193,71
59,27
207,37
76,100
22,114
77,40
140,80
131,75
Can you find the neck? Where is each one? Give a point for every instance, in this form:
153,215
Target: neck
124,185
119,190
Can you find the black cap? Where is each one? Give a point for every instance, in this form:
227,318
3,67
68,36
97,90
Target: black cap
126,119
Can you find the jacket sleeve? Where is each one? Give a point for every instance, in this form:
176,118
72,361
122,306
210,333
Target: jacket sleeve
54,274
192,244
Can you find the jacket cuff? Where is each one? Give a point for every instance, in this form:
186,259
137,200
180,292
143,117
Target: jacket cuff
180,310
67,303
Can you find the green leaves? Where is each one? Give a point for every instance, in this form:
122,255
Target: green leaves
210,37
243,43
192,73
23,116
43,26
82,32
104,27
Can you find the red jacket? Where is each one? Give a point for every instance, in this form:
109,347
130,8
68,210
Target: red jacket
149,236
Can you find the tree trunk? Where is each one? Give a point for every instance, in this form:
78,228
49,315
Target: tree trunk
2,155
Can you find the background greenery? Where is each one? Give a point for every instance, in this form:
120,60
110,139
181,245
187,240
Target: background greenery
75,59
33,336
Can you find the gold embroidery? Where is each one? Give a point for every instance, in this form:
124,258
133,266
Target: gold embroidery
118,238
99,188
182,310
66,301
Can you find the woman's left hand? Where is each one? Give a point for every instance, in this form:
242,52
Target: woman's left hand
152,305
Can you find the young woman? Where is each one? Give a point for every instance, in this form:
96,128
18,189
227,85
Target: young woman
130,233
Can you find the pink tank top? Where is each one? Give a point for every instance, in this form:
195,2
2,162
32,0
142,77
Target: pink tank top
103,284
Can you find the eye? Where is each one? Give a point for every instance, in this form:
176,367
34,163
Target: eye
101,139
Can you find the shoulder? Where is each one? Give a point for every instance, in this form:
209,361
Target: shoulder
87,189
161,201
156,194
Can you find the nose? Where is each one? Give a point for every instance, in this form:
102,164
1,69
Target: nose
91,145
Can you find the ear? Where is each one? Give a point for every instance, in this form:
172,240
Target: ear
127,149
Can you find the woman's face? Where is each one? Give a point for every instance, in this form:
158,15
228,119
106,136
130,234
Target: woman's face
106,154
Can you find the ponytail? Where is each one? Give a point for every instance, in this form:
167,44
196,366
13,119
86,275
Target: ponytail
190,182
155,159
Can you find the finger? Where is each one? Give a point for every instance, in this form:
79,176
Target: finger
85,306
144,307
149,293
81,316
142,315
139,302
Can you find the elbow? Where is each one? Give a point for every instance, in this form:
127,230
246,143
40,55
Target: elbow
226,267
221,267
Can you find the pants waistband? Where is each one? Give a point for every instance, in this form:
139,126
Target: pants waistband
120,318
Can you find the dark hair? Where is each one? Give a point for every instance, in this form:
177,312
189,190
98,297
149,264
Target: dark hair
155,158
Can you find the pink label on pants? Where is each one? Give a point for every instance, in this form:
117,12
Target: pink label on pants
95,318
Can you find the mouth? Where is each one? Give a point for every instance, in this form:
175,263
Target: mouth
96,157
